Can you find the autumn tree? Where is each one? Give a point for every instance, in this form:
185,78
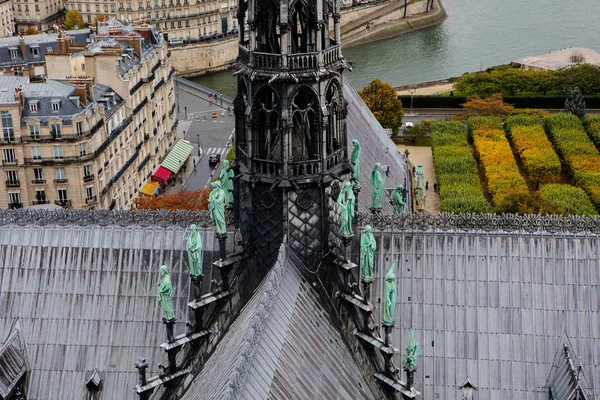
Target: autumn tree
489,106
99,18
73,20
194,200
31,31
382,100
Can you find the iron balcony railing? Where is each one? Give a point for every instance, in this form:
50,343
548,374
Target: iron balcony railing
295,62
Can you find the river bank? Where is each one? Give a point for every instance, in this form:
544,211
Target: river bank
360,25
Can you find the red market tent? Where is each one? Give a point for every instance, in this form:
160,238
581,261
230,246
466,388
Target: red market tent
161,175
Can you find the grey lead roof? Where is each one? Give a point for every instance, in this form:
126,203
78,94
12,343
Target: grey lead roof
86,299
376,147
283,345
493,307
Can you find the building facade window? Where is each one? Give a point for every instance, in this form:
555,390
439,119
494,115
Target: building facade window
40,196
56,130
14,198
34,131
36,153
79,128
10,156
7,126
33,107
60,174
89,191
58,151
62,195
12,178
38,174
83,149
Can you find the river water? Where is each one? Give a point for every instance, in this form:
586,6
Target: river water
477,34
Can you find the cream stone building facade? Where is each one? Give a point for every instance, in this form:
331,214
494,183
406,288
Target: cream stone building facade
38,14
7,20
92,134
179,19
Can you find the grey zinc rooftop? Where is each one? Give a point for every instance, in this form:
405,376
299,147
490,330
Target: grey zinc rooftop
283,345
85,298
376,146
8,85
493,307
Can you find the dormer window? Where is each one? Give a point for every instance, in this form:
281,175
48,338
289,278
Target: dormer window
55,105
33,106
13,52
35,51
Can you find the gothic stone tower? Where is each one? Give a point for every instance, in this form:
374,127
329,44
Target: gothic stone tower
290,123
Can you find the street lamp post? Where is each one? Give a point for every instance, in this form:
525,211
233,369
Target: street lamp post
198,144
412,92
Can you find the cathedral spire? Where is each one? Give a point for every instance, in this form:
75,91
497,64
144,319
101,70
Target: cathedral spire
290,121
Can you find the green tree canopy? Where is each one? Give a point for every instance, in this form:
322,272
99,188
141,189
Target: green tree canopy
514,81
382,100
73,20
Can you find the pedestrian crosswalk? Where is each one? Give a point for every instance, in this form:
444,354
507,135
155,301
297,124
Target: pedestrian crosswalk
217,150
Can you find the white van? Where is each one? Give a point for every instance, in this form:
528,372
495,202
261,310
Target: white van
175,42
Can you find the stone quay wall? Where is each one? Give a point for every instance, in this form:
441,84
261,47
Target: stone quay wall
360,25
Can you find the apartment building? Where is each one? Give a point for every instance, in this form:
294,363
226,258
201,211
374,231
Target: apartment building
24,55
41,15
7,20
92,134
179,19
52,132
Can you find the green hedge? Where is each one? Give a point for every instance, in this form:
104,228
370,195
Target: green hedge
565,200
527,136
456,170
577,151
435,101
592,126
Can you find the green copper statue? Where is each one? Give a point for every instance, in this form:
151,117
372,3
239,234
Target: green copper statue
227,182
355,160
377,186
216,207
389,304
194,249
412,352
346,200
165,292
367,252
398,199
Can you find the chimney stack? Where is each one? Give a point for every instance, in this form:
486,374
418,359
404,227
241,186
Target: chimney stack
23,49
19,96
63,43
144,31
81,92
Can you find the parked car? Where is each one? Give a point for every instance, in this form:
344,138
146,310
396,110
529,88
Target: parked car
214,159
175,42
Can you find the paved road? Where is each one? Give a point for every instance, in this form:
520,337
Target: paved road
214,134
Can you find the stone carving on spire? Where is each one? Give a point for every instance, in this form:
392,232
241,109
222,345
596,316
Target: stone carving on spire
194,249
346,200
165,293
216,207
389,304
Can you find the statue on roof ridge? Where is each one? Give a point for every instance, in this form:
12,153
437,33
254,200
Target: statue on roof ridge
355,160
389,304
226,176
216,207
194,250
398,201
165,293
412,352
367,252
377,186
347,201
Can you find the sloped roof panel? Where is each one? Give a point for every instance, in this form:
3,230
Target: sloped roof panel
282,346
86,299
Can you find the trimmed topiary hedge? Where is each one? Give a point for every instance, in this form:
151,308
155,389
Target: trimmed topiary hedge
456,170
540,161
504,181
577,151
566,200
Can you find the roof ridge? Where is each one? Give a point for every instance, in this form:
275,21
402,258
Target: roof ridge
257,326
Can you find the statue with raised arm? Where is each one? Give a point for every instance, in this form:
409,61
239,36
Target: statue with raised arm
367,253
226,176
412,352
355,161
389,304
165,293
216,207
346,200
377,186
398,201
194,250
